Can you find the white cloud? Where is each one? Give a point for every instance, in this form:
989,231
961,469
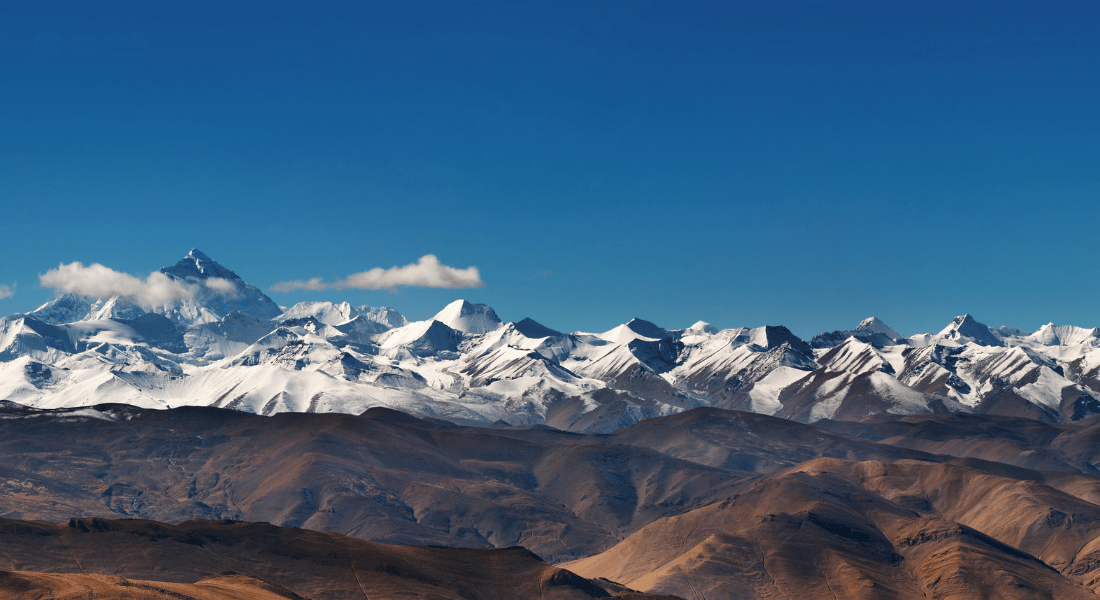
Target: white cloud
223,286
7,291
98,281
426,272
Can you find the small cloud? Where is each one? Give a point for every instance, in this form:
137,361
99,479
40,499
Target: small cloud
7,291
98,281
541,274
427,272
223,286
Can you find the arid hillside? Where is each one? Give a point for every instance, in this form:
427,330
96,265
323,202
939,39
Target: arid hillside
216,560
708,503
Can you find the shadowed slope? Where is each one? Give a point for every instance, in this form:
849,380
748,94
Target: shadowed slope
312,564
383,476
811,532
750,441
1011,440
1056,454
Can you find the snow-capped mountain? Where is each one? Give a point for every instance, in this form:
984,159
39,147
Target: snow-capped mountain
871,330
463,316
217,292
964,330
229,345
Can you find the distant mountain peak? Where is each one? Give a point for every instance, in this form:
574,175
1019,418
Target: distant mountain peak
535,330
702,327
871,330
634,329
469,317
1058,335
965,327
646,328
215,299
197,265
876,325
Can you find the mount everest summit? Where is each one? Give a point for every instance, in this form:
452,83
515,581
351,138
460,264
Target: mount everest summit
229,345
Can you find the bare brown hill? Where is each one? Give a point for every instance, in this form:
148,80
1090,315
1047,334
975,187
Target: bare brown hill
29,585
1025,443
382,476
1011,440
751,441
387,476
143,559
833,528
706,503
1054,454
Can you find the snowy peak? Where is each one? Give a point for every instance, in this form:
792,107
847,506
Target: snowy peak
467,317
1065,335
212,291
218,292
66,308
700,328
197,265
535,330
421,338
773,336
646,328
856,357
635,329
965,329
69,308
870,330
875,325
324,312
385,315
765,338
338,315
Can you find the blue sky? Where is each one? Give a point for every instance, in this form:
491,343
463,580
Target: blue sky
806,163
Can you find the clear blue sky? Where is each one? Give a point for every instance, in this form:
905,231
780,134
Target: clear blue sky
806,163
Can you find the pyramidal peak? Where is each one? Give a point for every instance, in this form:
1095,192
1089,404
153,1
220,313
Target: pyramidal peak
535,330
965,323
647,328
468,317
876,325
222,291
635,329
956,323
197,265
966,327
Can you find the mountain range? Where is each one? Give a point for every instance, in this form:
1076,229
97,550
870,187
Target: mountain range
231,346
220,446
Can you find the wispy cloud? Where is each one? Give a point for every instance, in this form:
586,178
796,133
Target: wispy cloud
426,272
98,281
7,291
222,286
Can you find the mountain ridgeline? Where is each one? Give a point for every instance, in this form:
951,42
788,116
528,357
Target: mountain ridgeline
230,346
